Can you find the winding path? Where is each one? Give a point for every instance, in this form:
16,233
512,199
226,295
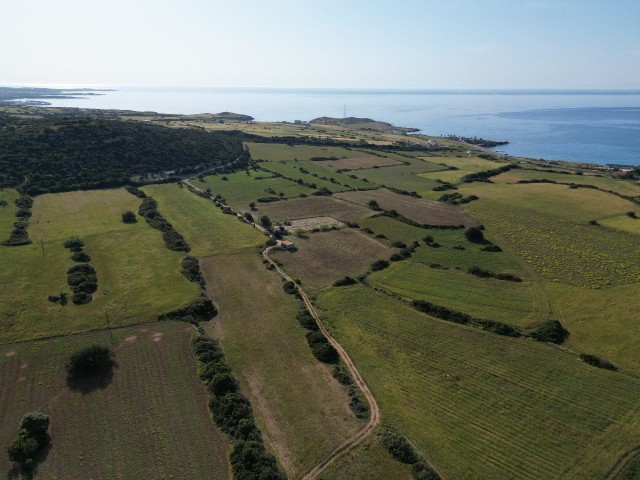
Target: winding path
374,419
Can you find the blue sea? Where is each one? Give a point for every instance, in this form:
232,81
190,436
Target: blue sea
583,126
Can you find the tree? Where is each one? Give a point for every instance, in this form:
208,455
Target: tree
474,235
265,222
31,441
90,362
248,217
129,217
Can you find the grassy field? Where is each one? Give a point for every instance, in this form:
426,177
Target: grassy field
486,298
207,230
417,209
464,166
404,177
138,278
357,163
301,409
7,213
325,257
367,461
314,174
322,206
151,421
274,152
240,189
484,406
547,226
624,223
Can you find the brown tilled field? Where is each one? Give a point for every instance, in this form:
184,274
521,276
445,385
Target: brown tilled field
307,207
357,163
327,256
417,209
149,421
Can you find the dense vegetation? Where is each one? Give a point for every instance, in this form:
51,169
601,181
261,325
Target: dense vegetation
172,239
19,235
31,442
90,362
63,154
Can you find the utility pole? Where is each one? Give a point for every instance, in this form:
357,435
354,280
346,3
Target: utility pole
42,245
106,312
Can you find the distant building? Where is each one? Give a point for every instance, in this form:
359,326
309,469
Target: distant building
287,244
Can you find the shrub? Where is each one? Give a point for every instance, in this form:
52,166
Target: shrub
174,241
19,236
474,235
81,298
420,471
550,331
290,288
632,214
31,441
73,243
135,191
596,361
129,217
265,222
490,248
90,362
306,320
228,410
379,265
80,257
191,269
223,383
248,217
344,282
341,375
399,448
321,348
201,309
399,244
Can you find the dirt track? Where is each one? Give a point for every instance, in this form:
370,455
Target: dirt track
374,419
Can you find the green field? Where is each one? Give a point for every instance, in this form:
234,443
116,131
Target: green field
624,223
485,298
151,421
321,176
483,406
274,152
301,409
404,177
547,225
138,278
7,213
240,189
207,230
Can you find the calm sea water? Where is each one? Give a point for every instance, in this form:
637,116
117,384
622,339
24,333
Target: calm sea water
590,126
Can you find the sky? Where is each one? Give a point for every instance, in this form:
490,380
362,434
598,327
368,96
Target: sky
459,44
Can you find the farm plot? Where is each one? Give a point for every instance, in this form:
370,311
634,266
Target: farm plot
138,278
419,210
327,256
314,206
207,230
240,189
314,174
307,224
275,152
507,302
404,177
480,405
358,163
551,233
150,421
301,409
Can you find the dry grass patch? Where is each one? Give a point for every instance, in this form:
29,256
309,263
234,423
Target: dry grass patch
325,257
297,208
419,210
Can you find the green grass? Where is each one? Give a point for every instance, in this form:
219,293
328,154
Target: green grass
483,406
394,230
207,230
485,298
316,174
7,213
404,177
547,226
138,278
369,460
241,189
151,421
274,152
301,409
624,223
464,165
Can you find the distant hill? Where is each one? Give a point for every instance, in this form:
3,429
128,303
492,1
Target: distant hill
62,154
365,123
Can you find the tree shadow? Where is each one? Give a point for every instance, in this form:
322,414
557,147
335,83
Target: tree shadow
86,385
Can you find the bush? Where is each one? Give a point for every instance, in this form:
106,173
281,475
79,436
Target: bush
290,288
201,309
174,241
81,298
632,214
491,248
90,362
19,236
73,243
474,235
191,269
399,448
31,441
80,257
550,331
596,361
135,191
399,244
379,265
321,348
265,222
223,383
306,320
129,217
344,282
420,471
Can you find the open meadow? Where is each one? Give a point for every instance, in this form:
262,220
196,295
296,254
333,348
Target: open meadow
479,405
149,421
302,410
315,206
206,229
138,278
324,257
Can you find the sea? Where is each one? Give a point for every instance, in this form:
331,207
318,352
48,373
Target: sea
595,126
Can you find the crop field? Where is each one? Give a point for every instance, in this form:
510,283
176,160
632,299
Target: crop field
150,421
368,460
138,278
395,230
624,187
547,230
325,257
275,152
624,223
480,405
507,302
318,175
404,177
301,409
7,213
207,230
314,206
417,209
240,189
357,163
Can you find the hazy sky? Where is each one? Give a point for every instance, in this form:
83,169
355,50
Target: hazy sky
328,43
